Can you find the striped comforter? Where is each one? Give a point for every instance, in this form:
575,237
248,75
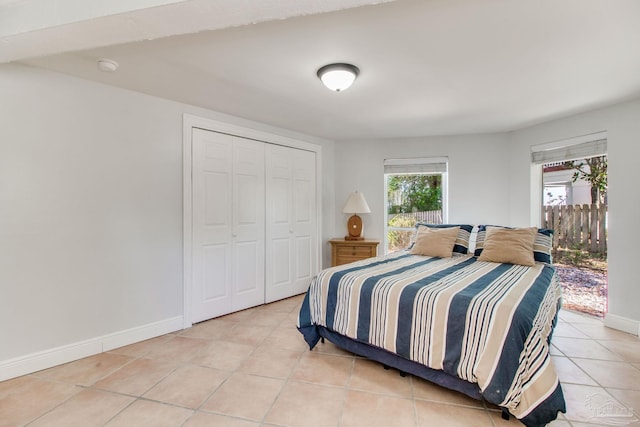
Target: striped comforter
486,323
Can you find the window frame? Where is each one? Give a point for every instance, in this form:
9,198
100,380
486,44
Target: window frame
414,166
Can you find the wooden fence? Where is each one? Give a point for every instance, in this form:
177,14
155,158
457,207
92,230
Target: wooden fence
582,226
431,217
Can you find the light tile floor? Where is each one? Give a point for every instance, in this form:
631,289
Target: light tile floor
252,368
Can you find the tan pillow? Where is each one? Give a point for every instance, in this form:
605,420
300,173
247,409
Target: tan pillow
436,242
511,246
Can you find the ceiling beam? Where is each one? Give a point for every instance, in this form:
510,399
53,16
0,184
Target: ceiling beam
35,28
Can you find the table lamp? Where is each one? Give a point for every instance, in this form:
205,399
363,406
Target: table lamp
355,204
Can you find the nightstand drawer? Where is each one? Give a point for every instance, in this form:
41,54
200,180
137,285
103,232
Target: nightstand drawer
346,251
357,251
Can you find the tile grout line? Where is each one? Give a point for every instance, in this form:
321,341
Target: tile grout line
231,373
346,388
81,387
284,383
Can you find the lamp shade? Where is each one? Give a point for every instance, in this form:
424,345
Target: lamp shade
338,77
356,204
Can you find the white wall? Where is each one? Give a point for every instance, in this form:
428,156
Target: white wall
478,177
578,193
622,124
328,201
91,209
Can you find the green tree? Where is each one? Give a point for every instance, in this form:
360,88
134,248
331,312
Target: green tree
594,171
419,193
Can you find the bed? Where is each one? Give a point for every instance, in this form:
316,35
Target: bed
461,320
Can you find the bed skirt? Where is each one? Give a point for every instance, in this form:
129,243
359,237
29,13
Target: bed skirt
401,364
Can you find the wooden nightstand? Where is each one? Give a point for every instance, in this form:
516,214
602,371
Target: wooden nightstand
345,251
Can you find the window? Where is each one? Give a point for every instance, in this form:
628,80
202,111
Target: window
415,191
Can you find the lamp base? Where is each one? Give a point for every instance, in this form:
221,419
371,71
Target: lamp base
354,228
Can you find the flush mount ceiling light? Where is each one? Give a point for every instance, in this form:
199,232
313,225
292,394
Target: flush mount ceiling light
107,65
338,77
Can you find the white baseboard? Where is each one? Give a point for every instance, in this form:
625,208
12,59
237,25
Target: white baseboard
141,333
623,324
38,361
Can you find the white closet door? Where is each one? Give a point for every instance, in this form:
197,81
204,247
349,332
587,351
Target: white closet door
305,220
291,221
248,224
228,224
280,229
212,166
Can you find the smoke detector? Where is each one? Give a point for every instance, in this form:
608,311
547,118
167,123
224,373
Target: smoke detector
107,65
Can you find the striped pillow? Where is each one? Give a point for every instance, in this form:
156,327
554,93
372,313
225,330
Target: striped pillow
461,245
541,247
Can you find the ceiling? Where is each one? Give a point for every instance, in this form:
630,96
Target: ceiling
428,67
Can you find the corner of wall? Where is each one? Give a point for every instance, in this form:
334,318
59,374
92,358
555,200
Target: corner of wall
623,324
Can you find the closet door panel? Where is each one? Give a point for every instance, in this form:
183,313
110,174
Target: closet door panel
279,242
291,226
216,272
280,261
246,275
278,216
249,223
216,201
280,194
304,259
305,221
212,224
